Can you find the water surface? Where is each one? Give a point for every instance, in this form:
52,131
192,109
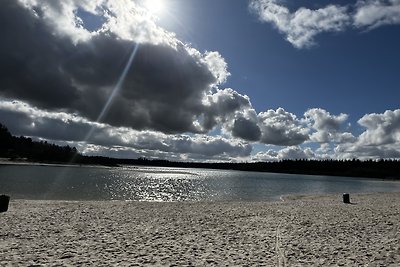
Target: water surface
171,184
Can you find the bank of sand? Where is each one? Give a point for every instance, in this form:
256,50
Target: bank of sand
301,231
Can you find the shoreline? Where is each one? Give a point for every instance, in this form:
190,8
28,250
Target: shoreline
6,161
302,230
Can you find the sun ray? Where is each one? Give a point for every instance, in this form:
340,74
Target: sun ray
117,87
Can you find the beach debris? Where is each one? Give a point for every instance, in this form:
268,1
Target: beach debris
4,200
346,198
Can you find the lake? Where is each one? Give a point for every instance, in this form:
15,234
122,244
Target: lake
171,184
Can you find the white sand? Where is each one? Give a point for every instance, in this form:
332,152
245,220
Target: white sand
302,231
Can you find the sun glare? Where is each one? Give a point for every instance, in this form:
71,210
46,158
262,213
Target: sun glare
155,6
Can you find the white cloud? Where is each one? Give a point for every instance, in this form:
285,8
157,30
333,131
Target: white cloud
279,127
381,139
273,127
381,129
222,106
301,26
326,127
290,152
363,152
61,16
131,21
127,19
376,13
295,152
269,155
217,65
21,118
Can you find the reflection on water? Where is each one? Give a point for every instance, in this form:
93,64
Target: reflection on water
170,184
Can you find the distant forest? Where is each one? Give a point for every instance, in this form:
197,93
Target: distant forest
25,149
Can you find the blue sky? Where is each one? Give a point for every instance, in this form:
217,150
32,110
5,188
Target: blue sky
353,71
212,80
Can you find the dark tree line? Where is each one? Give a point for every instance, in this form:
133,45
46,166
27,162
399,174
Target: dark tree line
385,169
25,148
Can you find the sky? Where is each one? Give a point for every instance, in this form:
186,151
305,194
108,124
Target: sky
204,80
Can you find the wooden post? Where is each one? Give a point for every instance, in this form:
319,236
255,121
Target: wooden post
4,200
346,198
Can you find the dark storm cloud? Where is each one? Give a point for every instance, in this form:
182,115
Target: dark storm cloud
246,129
163,89
29,65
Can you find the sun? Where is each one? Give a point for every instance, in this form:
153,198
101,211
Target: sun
155,7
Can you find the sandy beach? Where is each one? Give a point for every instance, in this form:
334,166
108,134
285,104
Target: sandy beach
300,231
